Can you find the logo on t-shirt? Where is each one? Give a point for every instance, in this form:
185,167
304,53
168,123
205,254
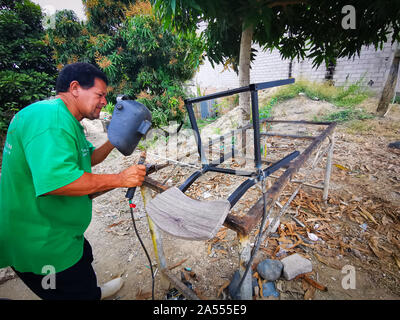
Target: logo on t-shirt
7,148
85,152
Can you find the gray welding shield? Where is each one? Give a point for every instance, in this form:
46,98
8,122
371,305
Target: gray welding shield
130,121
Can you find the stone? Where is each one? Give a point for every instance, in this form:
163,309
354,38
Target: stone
395,145
269,269
232,288
294,265
269,289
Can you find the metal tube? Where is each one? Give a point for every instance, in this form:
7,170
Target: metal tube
195,128
328,169
256,128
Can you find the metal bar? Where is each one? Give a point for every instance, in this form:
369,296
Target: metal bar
189,181
246,185
219,94
222,148
328,169
240,191
256,128
256,86
271,84
281,135
233,144
195,128
232,171
279,164
299,122
217,162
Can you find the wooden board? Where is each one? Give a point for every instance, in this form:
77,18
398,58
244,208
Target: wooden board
177,214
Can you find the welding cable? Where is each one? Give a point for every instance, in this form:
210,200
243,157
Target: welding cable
259,237
131,206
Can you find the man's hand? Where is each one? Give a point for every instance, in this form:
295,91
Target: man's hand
133,176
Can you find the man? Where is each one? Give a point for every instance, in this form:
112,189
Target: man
45,182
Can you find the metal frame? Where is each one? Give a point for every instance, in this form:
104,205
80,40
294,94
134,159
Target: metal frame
257,175
243,225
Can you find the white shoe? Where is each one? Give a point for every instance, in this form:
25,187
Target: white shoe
111,287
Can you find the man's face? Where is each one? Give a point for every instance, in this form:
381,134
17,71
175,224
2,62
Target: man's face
92,100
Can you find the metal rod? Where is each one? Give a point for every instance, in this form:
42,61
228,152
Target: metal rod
328,169
292,136
256,128
298,122
257,86
232,171
195,128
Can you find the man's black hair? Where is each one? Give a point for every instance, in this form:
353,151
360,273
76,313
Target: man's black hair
84,73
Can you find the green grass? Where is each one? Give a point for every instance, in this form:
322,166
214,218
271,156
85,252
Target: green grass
345,97
348,114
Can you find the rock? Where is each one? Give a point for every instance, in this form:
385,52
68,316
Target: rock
269,269
395,145
234,284
294,265
269,289
6,274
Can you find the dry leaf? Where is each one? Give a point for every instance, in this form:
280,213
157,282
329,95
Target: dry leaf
328,261
116,224
368,215
396,258
373,244
339,166
309,295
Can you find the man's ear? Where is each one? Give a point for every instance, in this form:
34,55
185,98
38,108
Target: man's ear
74,88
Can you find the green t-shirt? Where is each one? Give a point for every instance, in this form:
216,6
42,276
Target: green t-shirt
45,149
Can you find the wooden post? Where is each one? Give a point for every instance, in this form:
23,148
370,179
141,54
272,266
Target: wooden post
328,168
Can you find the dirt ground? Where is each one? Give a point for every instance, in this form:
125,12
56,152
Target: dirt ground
358,229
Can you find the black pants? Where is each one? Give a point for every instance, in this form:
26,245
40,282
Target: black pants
78,282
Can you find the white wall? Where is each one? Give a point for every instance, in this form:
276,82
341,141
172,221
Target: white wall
373,65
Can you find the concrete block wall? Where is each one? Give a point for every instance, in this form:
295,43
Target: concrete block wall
268,65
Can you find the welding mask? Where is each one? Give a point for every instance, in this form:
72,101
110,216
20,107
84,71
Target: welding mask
130,121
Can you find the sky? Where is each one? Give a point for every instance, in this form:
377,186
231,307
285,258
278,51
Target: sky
51,6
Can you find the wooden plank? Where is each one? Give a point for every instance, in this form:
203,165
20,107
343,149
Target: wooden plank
177,214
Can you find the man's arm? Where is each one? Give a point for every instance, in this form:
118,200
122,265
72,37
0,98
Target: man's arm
99,154
90,183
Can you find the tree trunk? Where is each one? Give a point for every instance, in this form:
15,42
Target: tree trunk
390,85
244,71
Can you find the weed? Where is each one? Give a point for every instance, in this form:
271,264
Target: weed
344,96
347,114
